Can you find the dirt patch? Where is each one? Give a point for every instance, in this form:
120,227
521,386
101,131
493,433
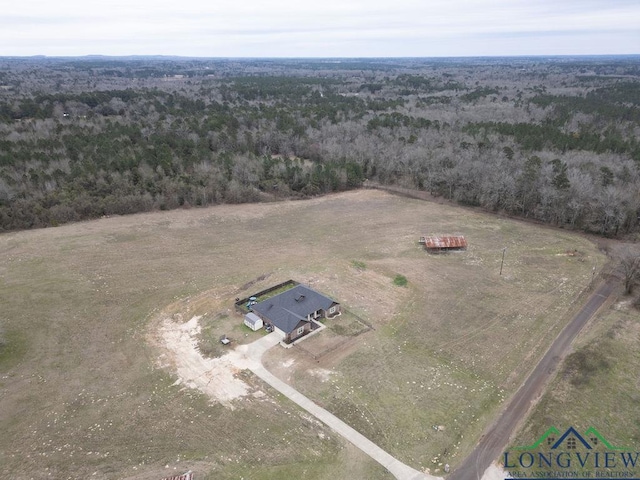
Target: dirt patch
495,472
321,374
250,284
623,305
215,377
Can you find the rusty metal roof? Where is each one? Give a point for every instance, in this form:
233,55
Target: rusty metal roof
186,476
445,241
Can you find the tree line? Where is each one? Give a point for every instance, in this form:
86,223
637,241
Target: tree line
544,139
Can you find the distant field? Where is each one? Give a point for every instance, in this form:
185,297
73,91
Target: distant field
81,395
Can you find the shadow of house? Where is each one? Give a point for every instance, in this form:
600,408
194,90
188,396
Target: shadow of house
294,313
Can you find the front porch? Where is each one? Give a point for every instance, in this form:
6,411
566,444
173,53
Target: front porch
314,328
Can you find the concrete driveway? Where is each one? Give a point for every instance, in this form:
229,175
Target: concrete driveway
253,352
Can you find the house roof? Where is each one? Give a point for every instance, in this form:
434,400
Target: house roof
446,241
287,309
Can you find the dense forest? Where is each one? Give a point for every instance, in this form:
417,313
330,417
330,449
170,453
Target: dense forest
552,139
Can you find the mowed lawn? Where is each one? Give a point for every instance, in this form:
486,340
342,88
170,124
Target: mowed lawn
81,394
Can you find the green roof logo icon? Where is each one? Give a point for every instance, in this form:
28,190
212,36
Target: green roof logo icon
571,439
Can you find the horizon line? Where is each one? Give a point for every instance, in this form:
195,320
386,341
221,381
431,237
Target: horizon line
384,57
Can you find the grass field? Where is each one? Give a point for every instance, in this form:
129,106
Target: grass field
598,385
81,394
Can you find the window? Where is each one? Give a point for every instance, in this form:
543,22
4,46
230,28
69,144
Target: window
571,444
300,330
332,310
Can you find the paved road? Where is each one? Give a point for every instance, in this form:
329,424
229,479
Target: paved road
254,352
496,437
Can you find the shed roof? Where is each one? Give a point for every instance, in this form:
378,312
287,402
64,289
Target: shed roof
287,309
252,318
445,241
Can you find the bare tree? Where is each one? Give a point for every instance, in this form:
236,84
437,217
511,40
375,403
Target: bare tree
630,263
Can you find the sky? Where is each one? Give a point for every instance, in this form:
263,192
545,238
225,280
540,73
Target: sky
319,28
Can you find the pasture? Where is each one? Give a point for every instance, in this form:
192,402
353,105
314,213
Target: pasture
598,384
83,393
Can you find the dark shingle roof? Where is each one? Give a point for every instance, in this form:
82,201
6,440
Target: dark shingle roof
288,308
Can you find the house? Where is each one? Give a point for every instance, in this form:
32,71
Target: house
253,321
294,312
443,243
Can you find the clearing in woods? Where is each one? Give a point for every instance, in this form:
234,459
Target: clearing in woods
83,305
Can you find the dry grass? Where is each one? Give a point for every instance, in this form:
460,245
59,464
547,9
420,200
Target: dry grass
598,385
82,394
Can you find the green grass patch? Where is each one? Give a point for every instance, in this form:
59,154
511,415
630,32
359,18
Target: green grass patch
400,280
214,327
13,346
278,291
586,364
359,265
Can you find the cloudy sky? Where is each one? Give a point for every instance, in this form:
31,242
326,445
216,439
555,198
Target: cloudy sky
320,28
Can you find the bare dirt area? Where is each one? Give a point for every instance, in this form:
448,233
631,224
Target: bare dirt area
80,301
495,472
215,377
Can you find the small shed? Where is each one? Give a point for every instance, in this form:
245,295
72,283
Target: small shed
253,321
443,243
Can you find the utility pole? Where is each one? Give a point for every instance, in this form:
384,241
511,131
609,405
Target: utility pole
502,262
